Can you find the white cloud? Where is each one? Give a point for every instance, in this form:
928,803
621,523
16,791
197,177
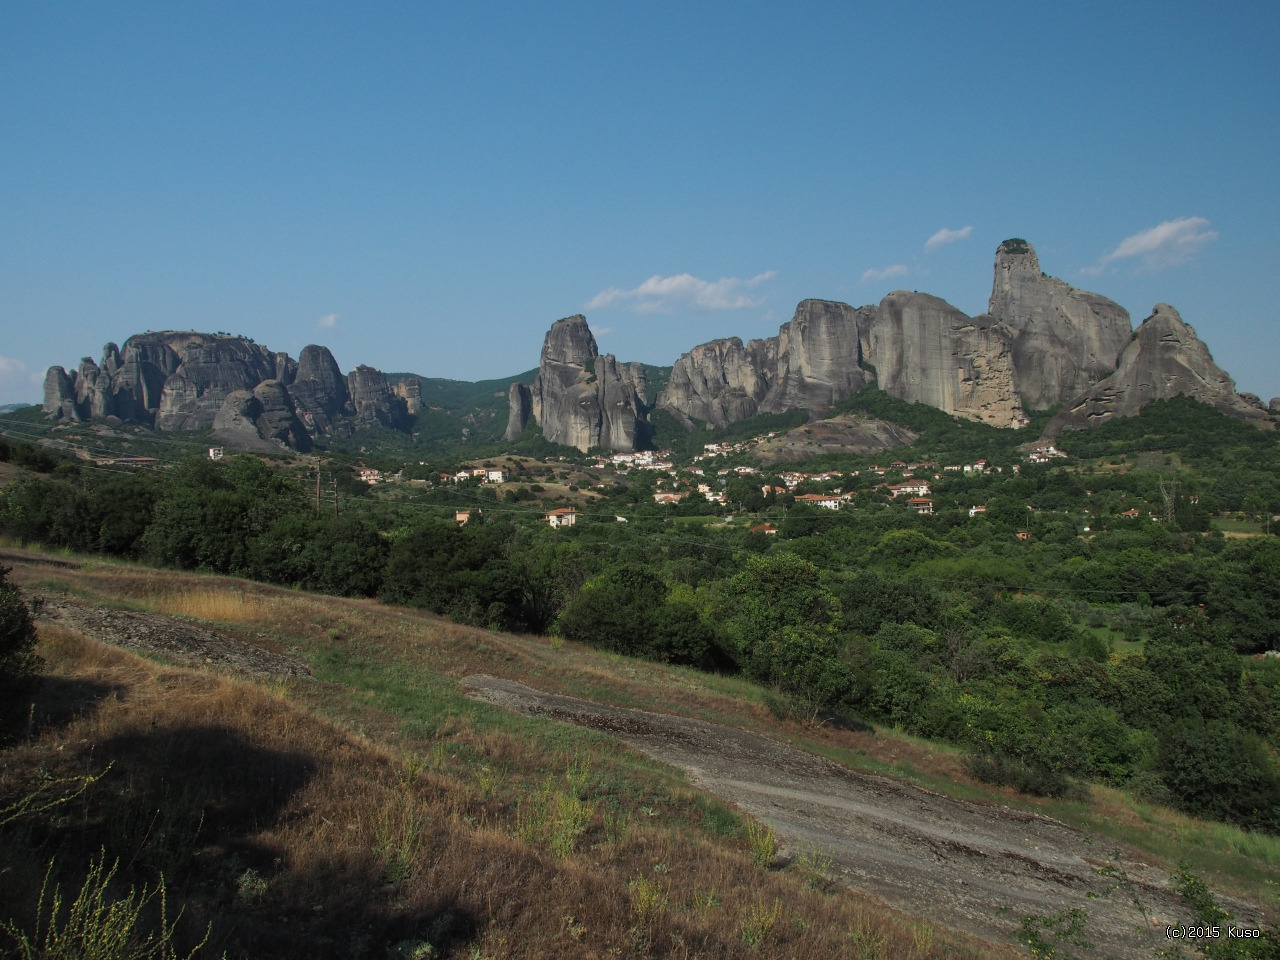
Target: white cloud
945,236
328,322
17,381
1170,244
884,273
664,294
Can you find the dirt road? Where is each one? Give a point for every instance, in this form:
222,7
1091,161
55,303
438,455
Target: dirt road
973,867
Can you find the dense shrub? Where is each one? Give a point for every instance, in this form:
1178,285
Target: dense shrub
18,660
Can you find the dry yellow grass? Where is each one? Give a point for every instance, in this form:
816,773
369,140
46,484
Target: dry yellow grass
219,605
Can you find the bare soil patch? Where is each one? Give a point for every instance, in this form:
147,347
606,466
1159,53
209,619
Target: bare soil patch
973,867
175,640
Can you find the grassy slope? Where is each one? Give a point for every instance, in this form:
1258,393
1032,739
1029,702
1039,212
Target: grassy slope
440,772
374,804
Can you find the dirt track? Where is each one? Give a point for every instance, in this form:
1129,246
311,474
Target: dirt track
968,866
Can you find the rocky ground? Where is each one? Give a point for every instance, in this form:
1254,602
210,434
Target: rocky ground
974,867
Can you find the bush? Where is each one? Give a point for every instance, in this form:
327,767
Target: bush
1036,779
18,660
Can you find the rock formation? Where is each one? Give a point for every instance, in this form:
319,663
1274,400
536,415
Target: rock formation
250,396
1063,340
373,401
580,398
1164,359
520,404
319,391
812,362
926,351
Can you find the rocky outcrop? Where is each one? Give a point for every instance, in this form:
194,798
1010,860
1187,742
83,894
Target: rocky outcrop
409,390
845,434
520,409
60,395
319,392
277,420
208,368
818,357
580,398
814,361
1164,359
1062,340
718,382
373,402
926,351
252,397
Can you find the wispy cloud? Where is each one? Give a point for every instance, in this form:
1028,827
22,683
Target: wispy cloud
1170,244
17,381
945,236
664,294
328,322
884,273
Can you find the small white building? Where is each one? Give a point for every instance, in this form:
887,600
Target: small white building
562,517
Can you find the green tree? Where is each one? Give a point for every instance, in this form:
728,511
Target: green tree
18,659
782,626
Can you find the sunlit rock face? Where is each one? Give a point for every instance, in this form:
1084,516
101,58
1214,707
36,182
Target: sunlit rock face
924,350
1164,359
1063,340
812,362
580,398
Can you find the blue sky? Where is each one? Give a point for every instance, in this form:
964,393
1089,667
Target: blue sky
427,187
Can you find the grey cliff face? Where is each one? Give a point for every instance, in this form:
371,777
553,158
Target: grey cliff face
1163,359
253,397
410,391
1063,340
208,369
319,391
60,395
814,361
818,357
520,409
926,351
581,399
278,421
718,382
374,403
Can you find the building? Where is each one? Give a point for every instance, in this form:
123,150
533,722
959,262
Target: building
562,517
462,516
765,528
980,508
828,501
918,488
921,505
215,453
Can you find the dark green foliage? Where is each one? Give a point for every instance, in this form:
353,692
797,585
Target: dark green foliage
211,512
1037,779
782,626
27,455
1015,245
627,609
18,660
460,572
1219,771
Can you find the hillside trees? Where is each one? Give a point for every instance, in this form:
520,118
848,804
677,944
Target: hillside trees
782,627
